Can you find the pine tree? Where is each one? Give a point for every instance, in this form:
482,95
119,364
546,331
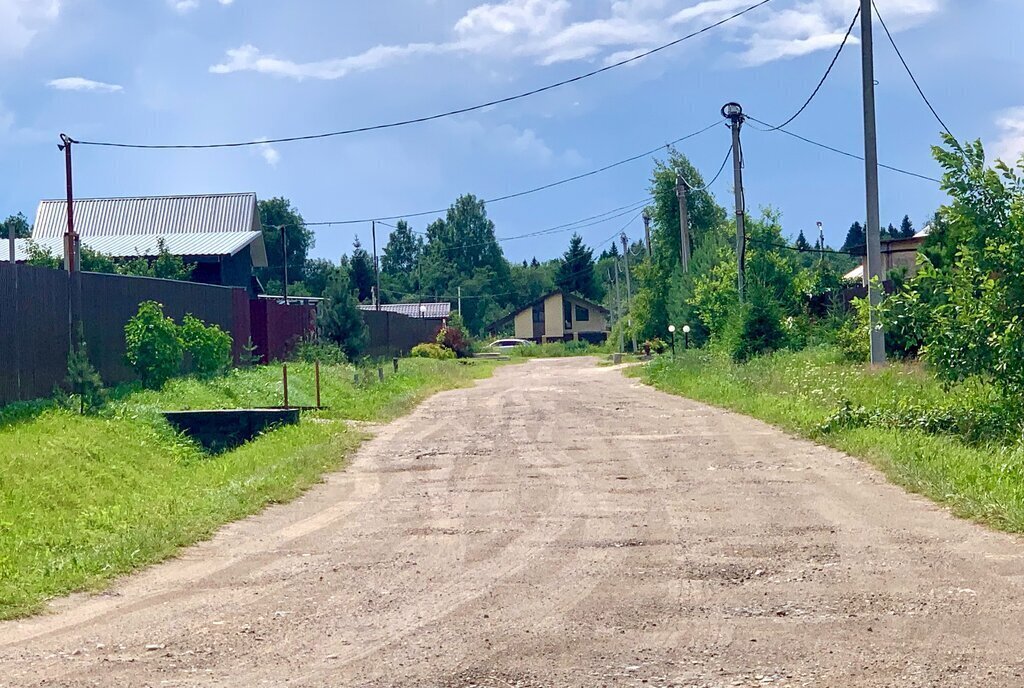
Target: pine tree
576,270
340,319
402,251
856,240
801,242
83,380
907,230
361,271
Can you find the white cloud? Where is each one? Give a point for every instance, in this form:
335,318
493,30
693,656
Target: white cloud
1010,145
269,154
186,6
77,83
21,20
541,30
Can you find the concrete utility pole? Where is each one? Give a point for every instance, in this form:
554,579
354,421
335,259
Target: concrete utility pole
618,308
72,253
629,289
284,254
11,243
460,300
376,264
821,243
734,113
684,223
647,231
874,228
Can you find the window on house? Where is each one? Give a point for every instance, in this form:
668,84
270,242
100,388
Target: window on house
538,314
582,314
567,314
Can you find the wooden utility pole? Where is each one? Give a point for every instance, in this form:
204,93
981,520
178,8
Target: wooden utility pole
629,289
647,231
376,264
874,228
684,223
734,113
72,253
618,308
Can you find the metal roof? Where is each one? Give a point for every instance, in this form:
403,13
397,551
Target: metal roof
196,244
431,310
155,215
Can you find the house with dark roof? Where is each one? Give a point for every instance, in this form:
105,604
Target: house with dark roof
558,317
220,234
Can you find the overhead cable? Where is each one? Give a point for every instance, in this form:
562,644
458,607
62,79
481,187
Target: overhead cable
448,113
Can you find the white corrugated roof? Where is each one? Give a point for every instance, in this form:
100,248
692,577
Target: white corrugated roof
154,215
431,310
196,244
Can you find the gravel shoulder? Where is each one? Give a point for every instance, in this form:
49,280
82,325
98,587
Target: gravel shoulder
562,525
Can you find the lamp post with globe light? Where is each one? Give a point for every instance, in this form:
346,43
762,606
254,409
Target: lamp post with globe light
686,335
672,331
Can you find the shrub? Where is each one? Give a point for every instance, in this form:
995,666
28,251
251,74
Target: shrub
340,319
431,350
208,345
84,381
757,328
312,350
454,336
657,345
852,337
152,345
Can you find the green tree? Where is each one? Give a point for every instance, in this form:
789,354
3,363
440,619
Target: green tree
360,269
856,240
340,318
152,345
22,229
274,214
319,272
907,230
208,345
400,261
576,270
801,242
530,282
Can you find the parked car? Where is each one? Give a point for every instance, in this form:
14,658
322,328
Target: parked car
509,343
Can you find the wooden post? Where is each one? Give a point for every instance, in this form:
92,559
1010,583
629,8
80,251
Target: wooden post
284,379
394,362
380,373
316,370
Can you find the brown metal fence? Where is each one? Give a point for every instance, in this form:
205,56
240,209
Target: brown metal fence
35,323
393,334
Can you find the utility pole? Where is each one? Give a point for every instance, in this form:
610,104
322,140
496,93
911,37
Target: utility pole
15,322
376,264
618,308
629,289
647,231
734,113
874,228
284,253
684,222
72,259
460,300
11,243
821,242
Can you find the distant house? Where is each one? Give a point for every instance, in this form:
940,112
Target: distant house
558,317
896,254
221,233
430,311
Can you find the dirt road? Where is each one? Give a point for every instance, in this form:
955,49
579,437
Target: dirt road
561,525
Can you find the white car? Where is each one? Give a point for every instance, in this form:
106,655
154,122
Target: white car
509,343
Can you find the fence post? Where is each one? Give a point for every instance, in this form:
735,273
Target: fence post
394,362
380,373
284,379
316,369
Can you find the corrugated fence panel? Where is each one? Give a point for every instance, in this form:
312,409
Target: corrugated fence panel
109,302
394,333
34,340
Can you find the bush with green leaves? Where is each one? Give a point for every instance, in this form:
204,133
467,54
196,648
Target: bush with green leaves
432,350
756,328
152,345
455,337
340,319
317,350
208,346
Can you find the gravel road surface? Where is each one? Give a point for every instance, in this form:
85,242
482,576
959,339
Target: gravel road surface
562,525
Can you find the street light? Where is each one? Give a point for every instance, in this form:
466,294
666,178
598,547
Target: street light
423,311
732,111
686,333
672,331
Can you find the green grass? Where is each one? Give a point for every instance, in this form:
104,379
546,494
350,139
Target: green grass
84,499
801,392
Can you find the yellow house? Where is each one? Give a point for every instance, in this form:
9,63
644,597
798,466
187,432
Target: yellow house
558,317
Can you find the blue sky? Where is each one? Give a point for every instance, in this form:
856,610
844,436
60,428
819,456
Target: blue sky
198,71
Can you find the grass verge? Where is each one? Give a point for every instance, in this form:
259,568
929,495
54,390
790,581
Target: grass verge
803,392
84,499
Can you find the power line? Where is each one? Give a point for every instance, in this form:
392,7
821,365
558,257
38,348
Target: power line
769,244
728,154
839,151
527,192
448,113
824,78
910,72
